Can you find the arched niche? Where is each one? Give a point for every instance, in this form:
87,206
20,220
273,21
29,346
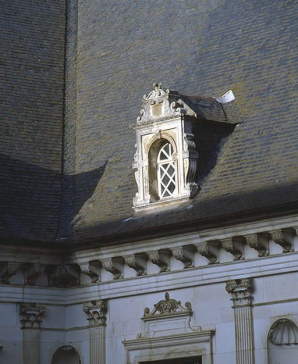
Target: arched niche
66,355
283,342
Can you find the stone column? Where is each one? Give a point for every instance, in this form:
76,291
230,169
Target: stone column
96,311
31,319
241,290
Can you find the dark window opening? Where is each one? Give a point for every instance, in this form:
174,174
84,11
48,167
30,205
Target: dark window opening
192,360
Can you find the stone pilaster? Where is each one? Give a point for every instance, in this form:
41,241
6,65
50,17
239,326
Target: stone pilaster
96,311
31,319
241,290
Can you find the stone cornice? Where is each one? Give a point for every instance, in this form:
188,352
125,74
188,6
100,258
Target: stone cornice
173,280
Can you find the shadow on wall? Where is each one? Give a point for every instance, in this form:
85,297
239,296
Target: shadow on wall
38,203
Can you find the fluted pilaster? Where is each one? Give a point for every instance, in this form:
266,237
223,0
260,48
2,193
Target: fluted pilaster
31,339
31,318
96,311
241,290
97,345
244,335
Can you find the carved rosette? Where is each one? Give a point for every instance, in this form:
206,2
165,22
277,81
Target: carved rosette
31,315
167,307
96,312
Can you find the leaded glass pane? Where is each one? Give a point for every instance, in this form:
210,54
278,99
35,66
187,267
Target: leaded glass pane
167,171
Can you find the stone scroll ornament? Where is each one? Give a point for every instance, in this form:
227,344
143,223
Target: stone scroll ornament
167,306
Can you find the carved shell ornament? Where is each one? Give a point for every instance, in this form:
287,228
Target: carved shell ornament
167,306
283,332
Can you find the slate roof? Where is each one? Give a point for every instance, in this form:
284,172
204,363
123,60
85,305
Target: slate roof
203,48
31,117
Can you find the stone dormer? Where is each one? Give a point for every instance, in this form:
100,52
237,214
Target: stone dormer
167,156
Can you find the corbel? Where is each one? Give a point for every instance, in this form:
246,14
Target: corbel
109,266
89,270
253,240
204,250
132,262
229,245
35,271
156,258
180,254
10,269
62,277
278,236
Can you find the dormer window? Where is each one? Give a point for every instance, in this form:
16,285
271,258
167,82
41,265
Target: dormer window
167,158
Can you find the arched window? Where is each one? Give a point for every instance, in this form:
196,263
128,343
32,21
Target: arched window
167,171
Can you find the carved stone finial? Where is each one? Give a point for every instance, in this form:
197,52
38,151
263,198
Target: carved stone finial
10,269
179,254
241,291
131,261
168,306
229,246
36,271
160,103
60,276
156,258
204,250
253,241
88,270
31,315
109,266
96,311
279,238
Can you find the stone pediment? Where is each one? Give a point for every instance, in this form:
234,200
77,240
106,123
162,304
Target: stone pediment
162,104
167,308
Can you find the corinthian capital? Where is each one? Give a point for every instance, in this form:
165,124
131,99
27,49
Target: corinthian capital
241,291
96,312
